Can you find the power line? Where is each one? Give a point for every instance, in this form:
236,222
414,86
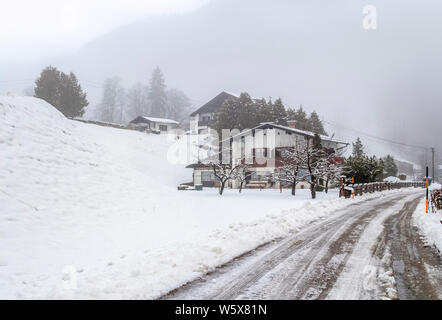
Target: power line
18,80
335,124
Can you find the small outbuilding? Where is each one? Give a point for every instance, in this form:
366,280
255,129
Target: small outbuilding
154,124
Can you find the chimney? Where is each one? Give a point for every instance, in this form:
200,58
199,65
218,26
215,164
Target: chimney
291,123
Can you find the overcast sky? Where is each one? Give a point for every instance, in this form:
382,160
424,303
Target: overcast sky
384,82
53,26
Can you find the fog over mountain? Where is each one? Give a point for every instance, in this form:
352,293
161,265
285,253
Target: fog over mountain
385,81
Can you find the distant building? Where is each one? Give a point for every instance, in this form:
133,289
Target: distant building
154,124
201,119
405,168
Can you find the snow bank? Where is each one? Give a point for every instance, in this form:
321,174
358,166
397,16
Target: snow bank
430,224
93,212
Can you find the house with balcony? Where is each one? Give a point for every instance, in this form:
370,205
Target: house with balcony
261,148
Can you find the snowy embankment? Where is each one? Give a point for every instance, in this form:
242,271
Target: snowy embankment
93,212
430,224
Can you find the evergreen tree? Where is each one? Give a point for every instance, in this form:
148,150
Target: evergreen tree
315,124
62,91
390,167
301,119
375,169
358,148
290,113
264,111
279,113
227,116
72,99
246,112
47,86
271,113
157,94
364,169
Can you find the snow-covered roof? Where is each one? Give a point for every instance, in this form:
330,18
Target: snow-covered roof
392,179
216,103
162,120
266,125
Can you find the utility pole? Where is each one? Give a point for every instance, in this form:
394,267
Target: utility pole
432,163
426,192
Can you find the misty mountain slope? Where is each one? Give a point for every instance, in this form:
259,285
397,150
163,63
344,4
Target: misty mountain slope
314,53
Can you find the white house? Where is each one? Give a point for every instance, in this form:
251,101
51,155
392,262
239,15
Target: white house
261,149
154,124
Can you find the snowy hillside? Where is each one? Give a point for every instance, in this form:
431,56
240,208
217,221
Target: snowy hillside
93,212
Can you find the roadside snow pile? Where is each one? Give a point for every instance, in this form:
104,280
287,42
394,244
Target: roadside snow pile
93,212
430,224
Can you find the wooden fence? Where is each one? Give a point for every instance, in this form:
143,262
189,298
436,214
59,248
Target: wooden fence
103,124
360,189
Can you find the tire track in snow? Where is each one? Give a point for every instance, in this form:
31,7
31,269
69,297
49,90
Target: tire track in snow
305,265
417,267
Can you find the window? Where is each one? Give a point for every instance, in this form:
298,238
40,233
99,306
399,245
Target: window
260,176
260,152
163,127
207,176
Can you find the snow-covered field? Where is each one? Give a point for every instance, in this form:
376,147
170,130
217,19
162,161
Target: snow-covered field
430,224
93,212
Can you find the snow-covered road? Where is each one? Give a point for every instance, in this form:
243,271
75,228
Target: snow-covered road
369,250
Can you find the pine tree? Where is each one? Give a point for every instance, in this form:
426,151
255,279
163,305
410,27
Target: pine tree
358,148
390,167
72,99
157,94
301,119
246,113
271,114
363,169
315,124
227,116
47,86
279,113
290,114
62,91
264,111
375,169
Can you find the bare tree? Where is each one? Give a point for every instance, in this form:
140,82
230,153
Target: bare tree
224,173
224,170
242,173
293,161
333,169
